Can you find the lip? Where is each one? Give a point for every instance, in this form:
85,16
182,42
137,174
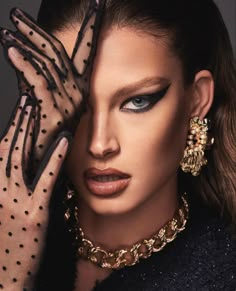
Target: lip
105,188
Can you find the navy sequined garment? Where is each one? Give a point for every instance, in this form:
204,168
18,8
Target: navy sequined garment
202,257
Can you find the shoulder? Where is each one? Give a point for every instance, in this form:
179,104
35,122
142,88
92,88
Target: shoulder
210,234
202,257
205,253
208,252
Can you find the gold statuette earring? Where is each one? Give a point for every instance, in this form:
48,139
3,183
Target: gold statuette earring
198,141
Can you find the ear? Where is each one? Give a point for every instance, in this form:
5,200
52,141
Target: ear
202,94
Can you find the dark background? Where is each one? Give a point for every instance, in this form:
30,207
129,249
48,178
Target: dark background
8,87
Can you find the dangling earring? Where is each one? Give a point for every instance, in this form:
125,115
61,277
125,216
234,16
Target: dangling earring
197,142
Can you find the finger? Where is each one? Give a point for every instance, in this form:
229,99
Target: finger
44,66
50,168
51,101
48,119
37,60
23,87
32,74
31,52
15,158
27,149
45,99
8,133
8,141
85,47
42,40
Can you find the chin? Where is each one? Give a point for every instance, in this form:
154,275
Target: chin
110,206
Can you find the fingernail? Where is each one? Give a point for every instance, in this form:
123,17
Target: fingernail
15,11
64,142
13,52
23,100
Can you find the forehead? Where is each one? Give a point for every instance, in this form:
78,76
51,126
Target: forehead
127,55
116,39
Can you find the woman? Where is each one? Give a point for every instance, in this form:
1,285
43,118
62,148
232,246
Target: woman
149,74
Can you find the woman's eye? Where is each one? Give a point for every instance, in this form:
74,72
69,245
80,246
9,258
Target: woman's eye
137,103
143,103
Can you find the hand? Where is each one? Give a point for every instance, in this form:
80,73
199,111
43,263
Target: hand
59,84
24,203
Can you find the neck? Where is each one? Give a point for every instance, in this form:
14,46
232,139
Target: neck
119,231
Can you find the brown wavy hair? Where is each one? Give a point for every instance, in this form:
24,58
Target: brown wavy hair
198,36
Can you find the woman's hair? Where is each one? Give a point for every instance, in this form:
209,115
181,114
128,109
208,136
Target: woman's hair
197,35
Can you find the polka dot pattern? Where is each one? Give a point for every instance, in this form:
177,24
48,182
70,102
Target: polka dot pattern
46,70
23,219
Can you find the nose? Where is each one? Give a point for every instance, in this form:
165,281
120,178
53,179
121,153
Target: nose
103,142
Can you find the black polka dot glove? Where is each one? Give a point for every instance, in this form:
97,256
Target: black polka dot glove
24,202
59,83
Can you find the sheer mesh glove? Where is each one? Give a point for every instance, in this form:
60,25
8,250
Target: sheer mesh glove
59,83
24,203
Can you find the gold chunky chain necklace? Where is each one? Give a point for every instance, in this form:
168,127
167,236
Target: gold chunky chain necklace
127,256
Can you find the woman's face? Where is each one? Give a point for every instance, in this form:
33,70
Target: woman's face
136,122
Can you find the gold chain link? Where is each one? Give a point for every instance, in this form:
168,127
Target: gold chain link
127,256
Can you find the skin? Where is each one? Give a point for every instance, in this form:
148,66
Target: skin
148,145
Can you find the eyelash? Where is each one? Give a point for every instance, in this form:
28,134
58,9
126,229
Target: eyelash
151,98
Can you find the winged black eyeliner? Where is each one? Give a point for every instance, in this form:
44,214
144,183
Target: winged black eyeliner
152,98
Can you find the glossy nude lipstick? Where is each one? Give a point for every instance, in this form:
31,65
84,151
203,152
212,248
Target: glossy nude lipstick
105,182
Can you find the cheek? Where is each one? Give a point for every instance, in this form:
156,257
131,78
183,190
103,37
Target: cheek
155,148
158,139
153,140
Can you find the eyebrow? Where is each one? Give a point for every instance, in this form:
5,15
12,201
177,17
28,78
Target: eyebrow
146,82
